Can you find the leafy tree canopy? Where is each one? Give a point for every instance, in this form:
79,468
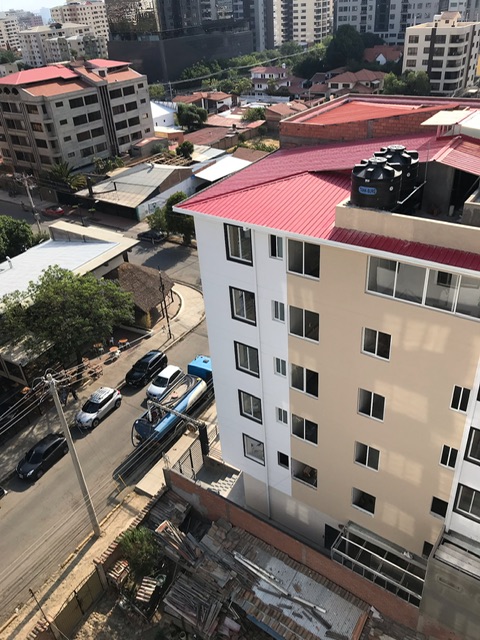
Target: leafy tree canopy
165,219
371,39
290,48
156,91
61,174
16,236
411,83
141,550
6,56
185,149
347,44
191,116
104,165
199,69
311,62
70,311
254,113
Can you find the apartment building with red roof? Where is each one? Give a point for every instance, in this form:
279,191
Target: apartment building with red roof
72,113
342,300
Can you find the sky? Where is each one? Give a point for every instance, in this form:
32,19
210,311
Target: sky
28,5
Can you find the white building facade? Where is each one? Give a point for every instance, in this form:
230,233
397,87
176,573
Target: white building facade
446,49
89,12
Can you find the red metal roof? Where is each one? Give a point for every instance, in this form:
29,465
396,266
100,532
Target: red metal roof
356,111
52,72
461,154
107,64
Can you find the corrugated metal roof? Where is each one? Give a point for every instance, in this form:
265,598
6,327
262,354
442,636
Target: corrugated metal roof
222,168
461,154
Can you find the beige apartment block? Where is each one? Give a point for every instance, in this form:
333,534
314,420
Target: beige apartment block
89,12
446,49
72,113
9,30
57,42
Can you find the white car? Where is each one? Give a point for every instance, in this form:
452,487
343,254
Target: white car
97,407
163,382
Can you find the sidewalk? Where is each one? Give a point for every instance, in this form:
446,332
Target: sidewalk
190,315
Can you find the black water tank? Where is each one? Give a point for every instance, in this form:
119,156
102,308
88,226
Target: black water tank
405,161
375,184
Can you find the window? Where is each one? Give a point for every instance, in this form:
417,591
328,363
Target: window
280,367
118,109
131,106
75,103
250,406
91,99
100,147
67,138
59,104
143,100
278,311
371,404
41,143
304,323
467,502
128,91
116,93
95,115
304,258
99,131
71,154
282,415
283,460
304,473
246,359
472,451
363,501
36,126
80,120
132,122
276,247
121,125
253,449
304,429
367,456
62,122
243,305
377,343
304,380
460,398
439,507
86,152
413,39
448,457
412,51
238,242
427,549
83,135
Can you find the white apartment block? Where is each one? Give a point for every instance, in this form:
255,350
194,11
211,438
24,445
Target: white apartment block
72,113
389,20
51,43
89,12
446,49
302,21
346,356
9,30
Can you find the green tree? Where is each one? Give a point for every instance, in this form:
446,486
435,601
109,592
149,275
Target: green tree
69,311
411,83
346,44
199,69
177,222
104,165
6,56
157,220
190,116
290,48
140,548
371,39
63,177
185,149
16,236
254,113
156,91
313,61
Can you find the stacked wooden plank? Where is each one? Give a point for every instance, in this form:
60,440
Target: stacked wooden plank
176,544
146,591
118,573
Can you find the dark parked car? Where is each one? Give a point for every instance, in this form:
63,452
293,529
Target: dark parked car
146,368
152,235
42,456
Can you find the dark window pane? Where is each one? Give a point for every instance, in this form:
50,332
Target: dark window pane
312,260
311,325
464,400
311,383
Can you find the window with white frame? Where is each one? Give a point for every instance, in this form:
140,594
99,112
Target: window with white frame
250,406
243,305
282,415
302,472
304,323
467,502
280,366
304,380
304,258
238,243
363,501
276,247
472,451
367,456
371,404
304,429
460,397
448,457
246,359
377,343
278,311
253,449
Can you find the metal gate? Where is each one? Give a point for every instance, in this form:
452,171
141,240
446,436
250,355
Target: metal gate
190,463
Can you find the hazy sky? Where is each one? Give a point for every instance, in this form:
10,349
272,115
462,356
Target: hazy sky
28,5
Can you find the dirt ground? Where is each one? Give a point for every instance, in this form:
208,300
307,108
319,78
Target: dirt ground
271,142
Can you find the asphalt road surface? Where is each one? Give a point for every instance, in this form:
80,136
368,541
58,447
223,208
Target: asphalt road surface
43,522
181,263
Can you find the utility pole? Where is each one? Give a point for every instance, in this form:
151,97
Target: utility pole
53,628
76,462
164,303
32,204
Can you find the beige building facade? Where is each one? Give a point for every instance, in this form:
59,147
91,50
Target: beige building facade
89,12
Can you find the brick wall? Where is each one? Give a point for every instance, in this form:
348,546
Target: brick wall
295,134
214,507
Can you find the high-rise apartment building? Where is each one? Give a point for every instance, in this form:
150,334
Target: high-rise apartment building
58,42
447,49
345,345
89,12
9,30
72,113
389,20
26,19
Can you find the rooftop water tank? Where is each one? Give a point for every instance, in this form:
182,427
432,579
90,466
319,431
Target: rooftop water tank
405,161
375,184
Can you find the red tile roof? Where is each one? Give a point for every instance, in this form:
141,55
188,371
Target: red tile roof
364,75
296,192
56,88
52,72
390,53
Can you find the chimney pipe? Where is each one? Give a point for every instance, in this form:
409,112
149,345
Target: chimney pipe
9,260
